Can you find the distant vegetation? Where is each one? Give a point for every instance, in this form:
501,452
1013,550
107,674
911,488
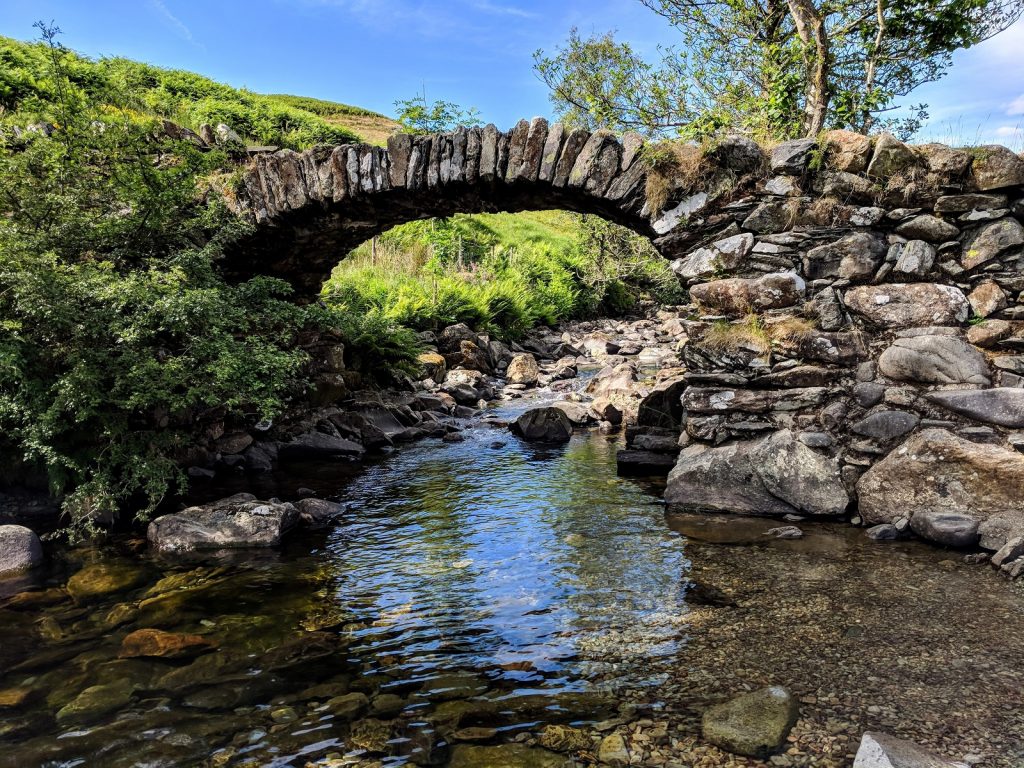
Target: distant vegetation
501,273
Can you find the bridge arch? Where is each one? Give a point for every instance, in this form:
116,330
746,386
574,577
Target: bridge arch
310,208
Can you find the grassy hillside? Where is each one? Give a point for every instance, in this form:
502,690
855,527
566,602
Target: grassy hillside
29,92
372,127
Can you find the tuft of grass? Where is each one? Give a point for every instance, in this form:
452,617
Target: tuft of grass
673,166
748,333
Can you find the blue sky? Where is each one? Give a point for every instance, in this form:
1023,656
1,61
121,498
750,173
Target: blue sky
474,52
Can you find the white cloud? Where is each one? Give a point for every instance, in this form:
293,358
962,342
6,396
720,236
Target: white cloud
1016,107
503,10
173,21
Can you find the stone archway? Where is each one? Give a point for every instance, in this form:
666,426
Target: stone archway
310,208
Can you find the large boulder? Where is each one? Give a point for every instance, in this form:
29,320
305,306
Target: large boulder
778,475
753,724
234,522
720,479
934,359
1003,406
20,549
880,750
902,305
523,370
543,425
800,476
937,472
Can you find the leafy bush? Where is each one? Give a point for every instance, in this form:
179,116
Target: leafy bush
115,328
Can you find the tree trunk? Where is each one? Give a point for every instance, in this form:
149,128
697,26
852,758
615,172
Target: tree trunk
810,28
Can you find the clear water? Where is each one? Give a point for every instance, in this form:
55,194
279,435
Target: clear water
491,584
502,563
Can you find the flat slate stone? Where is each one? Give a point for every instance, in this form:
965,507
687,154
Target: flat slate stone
633,462
1003,406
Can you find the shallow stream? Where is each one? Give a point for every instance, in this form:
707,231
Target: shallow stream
478,590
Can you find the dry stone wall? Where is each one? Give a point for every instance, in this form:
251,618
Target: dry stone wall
857,343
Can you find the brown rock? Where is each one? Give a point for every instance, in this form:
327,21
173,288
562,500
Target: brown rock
935,471
914,304
155,643
988,333
847,151
739,295
987,298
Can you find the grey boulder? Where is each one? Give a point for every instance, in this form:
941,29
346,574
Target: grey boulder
20,549
778,475
235,522
543,425
934,360
948,528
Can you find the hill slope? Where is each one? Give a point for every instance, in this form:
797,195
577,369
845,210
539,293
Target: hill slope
28,92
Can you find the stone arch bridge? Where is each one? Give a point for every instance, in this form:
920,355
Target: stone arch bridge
311,207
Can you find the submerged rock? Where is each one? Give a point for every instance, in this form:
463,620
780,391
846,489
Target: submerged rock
100,579
753,724
20,549
544,425
506,756
97,701
237,521
155,643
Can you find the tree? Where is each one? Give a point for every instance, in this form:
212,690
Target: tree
774,68
418,115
